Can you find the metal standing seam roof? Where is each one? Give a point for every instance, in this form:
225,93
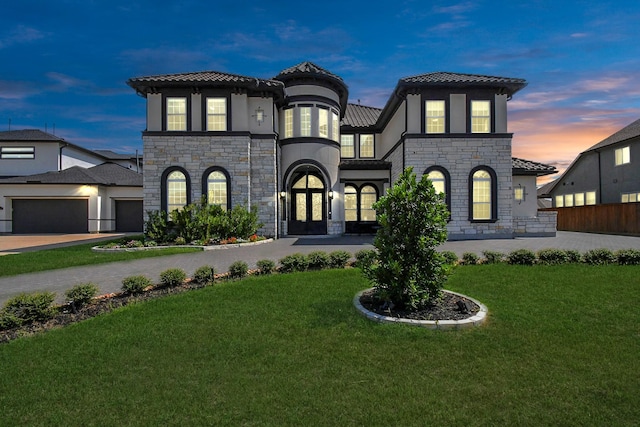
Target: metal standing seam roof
360,116
109,174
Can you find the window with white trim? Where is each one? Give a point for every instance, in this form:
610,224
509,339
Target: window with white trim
17,153
480,116
347,149
434,120
623,155
216,114
176,114
366,146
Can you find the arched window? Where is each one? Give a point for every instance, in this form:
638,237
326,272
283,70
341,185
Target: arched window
437,179
216,187
350,203
483,194
441,181
175,187
368,196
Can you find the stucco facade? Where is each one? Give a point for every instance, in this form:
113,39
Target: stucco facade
312,163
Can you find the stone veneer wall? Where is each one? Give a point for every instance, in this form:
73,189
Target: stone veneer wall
542,225
459,155
196,153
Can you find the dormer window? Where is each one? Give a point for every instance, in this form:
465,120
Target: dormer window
480,116
176,114
434,120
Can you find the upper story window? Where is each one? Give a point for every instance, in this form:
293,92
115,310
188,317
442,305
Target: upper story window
366,146
346,146
288,123
630,197
176,113
568,200
17,152
323,123
335,125
305,121
591,198
559,201
434,121
216,114
623,155
480,116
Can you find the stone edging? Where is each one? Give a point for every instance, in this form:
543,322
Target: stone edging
476,320
204,248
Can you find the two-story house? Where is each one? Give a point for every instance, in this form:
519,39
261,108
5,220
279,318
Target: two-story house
312,163
49,185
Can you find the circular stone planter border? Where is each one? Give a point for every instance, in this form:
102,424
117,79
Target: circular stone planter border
476,320
204,248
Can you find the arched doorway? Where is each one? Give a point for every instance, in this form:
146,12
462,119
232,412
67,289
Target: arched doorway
308,204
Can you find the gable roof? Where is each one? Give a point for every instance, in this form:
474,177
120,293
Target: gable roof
108,174
360,116
627,132
29,135
528,167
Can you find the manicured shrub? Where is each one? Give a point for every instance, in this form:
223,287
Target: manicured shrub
492,257
339,259
9,320
266,266
293,262
172,277
573,256
410,272
156,227
628,256
317,260
135,284
81,295
521,257
30,307
180,241
238,269
204,275
450,257
365,258
470,258
552,256
599,257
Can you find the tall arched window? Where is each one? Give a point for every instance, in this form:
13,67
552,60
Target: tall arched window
368,196
176,194
216,187
437,179
483,194
350,203
441,181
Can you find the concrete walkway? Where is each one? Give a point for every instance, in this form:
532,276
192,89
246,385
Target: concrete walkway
108,277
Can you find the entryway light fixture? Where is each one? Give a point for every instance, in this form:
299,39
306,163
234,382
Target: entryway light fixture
331,194
283,194
259,115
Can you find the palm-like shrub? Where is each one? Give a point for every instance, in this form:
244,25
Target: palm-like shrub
409,271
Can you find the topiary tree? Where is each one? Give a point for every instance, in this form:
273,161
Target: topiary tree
409,272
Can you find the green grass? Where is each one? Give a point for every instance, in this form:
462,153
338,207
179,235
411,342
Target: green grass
561,347
72,256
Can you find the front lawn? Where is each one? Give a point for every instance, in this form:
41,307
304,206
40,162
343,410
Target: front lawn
73,256
560,347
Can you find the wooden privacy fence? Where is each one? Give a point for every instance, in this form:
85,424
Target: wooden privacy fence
614,218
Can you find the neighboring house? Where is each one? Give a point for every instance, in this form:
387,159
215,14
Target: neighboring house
608,172
49,185
312,163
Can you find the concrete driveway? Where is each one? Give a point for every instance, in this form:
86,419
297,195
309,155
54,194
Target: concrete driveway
17,243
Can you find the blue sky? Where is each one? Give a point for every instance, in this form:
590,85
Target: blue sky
65,63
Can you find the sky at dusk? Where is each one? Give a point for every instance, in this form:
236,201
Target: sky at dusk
64,63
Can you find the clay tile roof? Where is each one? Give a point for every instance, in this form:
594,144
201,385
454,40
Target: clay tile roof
511,85
201,78
104,174
359,116
628,132
527,167
28,135
307,68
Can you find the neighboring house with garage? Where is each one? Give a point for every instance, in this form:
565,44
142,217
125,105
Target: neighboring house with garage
312,163
49,185
608,172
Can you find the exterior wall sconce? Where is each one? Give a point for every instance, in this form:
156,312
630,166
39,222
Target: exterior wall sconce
520,193
259,115
283,194
331,194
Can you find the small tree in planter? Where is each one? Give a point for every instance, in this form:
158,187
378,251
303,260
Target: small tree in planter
409,272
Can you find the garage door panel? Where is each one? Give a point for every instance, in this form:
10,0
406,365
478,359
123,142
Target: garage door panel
50,216
129,216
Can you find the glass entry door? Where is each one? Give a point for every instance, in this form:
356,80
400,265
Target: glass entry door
308,205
